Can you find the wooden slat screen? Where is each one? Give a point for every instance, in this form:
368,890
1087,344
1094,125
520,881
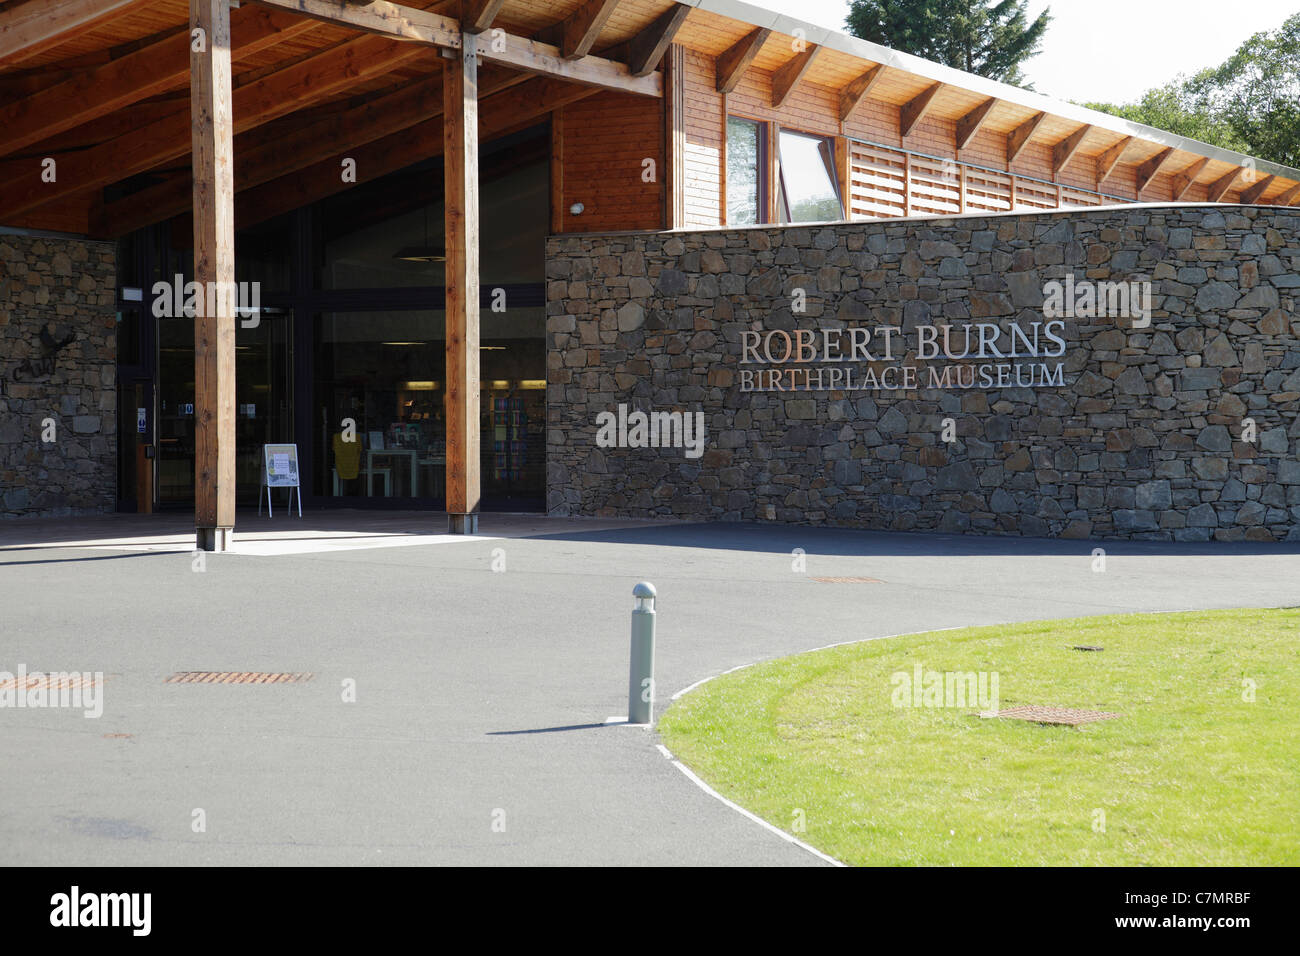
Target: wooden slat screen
886,183
1035,195
987,191
936,187
877,182
1078,197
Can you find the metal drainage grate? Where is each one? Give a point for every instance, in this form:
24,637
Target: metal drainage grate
1038,714
849,580
236,677
54,681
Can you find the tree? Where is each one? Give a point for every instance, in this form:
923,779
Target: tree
1250,104
990,38
1174,109
1257,93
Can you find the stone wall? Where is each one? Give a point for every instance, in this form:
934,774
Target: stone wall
1143,438
58,345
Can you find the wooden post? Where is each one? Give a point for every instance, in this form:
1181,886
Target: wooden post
773,170
907,184
722,164
214,270
460,165
674,177
557,171
843,175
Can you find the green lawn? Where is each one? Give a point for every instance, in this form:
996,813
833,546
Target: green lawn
1190,773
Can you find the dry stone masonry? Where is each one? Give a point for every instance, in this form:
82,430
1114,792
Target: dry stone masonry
58,350
1143,437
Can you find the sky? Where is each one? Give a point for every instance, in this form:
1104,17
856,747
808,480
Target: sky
1112,50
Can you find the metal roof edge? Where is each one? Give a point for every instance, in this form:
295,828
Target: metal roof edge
937,72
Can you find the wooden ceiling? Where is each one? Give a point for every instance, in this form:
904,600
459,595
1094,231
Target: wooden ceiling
102,88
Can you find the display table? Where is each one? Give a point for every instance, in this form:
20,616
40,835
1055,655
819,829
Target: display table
410,455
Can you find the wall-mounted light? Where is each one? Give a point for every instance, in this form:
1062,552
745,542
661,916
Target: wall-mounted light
577,208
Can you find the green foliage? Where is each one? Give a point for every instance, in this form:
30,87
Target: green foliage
990,38
1251,103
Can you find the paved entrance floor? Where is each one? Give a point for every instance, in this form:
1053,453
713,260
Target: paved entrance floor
481,695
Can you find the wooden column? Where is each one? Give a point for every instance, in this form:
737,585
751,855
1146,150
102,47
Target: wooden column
675,138
844,174
773,170
460,165
214,268
558,210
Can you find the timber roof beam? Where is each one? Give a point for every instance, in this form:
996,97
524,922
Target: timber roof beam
859,90
1184,180
788,75
1019,137
970,124
1216,190
734,61
1147,171
913,111
1067,149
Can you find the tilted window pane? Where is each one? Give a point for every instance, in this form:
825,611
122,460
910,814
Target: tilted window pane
807,179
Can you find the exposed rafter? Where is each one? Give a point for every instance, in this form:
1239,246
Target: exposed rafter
1184,180
498,115
577,33
734,61
532,56
29,29
644,51
859,90
1251,194
288,151
1147,171
1020,136
274,95
1110,158
1221,185
970,124
914,110
1288,197
386,19
153,69
480,14
788,75
1065,150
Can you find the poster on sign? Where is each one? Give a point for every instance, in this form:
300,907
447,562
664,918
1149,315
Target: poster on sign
279,470
281,465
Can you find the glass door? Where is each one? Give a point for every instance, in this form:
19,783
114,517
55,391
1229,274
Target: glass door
263,402
263,395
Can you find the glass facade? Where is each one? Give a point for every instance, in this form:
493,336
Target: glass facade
350,340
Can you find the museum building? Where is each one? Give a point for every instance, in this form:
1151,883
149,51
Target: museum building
454,233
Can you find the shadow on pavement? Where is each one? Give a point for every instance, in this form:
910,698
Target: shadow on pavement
776,539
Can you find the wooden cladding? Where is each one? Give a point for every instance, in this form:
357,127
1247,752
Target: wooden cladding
885,183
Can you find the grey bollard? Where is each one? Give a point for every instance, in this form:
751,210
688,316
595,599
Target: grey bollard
641,675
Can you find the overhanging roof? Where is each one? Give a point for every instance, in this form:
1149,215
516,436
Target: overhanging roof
935,72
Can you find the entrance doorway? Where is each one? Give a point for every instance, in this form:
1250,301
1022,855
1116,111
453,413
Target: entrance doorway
263,402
